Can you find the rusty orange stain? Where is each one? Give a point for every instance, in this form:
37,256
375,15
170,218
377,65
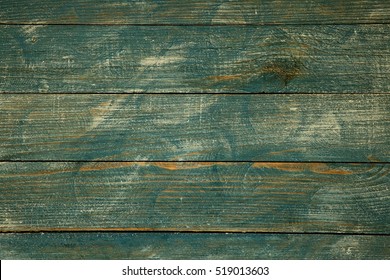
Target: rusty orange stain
371,158
320,168
187,165
226,77
95,166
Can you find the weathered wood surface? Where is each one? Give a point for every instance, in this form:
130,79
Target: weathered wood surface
191,246
196,127
194,12
107,149
295,59
219,196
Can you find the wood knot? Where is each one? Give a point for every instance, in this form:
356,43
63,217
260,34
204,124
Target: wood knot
284,69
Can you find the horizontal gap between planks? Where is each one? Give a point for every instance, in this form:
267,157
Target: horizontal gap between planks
193,24
193,93
197,161
134,230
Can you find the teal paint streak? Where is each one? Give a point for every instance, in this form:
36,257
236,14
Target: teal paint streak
259,197
198,127
191,246
107,59
196,12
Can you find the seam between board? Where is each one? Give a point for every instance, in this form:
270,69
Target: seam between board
195,24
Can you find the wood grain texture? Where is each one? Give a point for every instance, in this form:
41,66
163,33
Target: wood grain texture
191,246
196,127
112,59
99,187
168,196
195,12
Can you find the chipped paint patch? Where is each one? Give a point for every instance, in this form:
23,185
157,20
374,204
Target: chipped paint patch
346,248
324,129
160,60
105,109
31,32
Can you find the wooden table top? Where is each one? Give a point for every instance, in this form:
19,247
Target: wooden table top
195,129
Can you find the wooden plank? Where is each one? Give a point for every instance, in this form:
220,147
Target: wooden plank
196,127
107,59
195,196
192,246
195,12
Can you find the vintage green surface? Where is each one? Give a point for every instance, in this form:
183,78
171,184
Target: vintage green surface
190,196
201,127
106,59
195,11
91,170
191,246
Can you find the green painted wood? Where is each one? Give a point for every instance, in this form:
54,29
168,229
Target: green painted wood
194,11
195,127
195,196
292,59
191,246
